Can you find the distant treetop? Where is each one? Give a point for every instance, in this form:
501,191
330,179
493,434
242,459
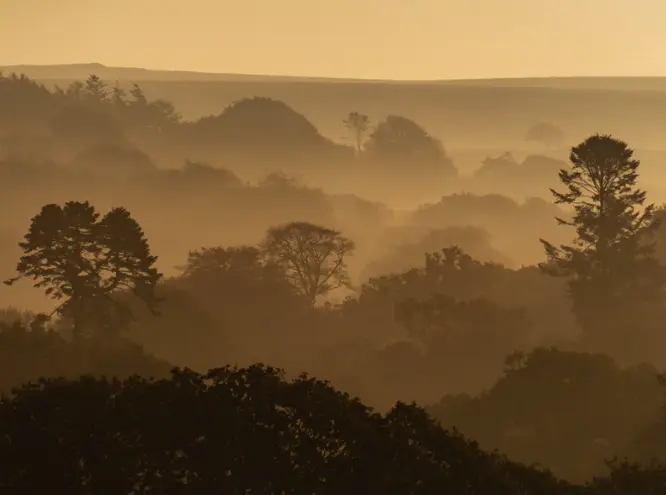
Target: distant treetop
545,133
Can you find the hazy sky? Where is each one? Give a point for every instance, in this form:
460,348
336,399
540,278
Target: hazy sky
401,39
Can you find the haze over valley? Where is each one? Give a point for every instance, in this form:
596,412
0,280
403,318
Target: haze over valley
332,250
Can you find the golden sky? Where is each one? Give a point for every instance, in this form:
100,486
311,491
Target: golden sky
398,39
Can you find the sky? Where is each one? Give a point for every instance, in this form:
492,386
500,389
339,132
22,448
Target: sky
375,39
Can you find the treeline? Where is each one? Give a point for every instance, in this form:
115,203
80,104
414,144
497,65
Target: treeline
91,121
91,112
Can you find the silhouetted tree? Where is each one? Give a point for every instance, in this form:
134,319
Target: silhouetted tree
75,92
262,120
240,269
545,133
359,125
95,90
164,111
75,255
610,265
208,262
138,95
312,256
118,96
402,141
498,167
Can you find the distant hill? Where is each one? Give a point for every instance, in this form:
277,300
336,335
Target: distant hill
583,83
81,71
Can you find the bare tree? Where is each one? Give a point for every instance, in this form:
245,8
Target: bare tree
313,257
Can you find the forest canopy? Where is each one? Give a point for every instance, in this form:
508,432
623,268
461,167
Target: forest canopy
199,316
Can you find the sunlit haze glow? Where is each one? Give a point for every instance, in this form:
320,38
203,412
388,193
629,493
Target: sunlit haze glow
421,39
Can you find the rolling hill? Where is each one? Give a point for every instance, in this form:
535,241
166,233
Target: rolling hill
135,74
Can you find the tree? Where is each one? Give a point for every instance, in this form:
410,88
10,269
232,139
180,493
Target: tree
138,95
402,141
312,257
95,90
75,92
237,274
165,112
270,122
118,96
359,125
498,167
545,133
610,265
78,257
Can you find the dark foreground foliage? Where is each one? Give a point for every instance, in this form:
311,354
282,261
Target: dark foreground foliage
235,431
248,431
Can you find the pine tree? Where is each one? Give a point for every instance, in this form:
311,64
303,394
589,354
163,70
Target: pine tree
612,271
84,260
